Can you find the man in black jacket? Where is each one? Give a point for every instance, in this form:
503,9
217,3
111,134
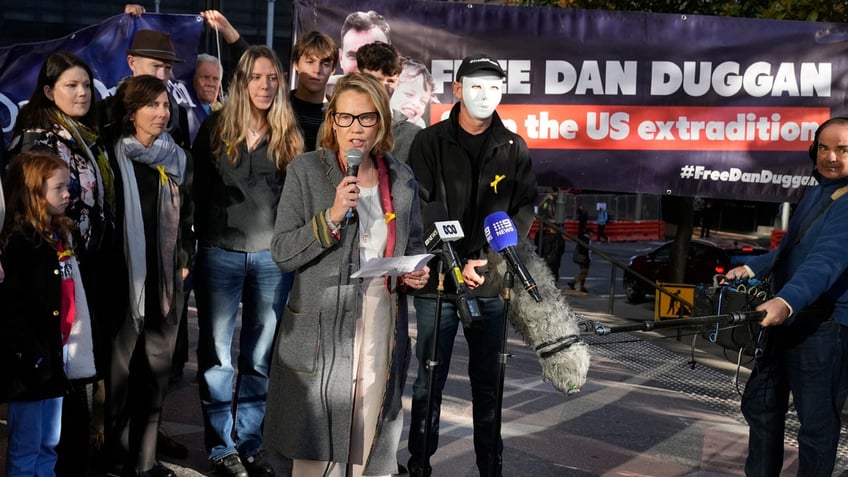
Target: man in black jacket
473,165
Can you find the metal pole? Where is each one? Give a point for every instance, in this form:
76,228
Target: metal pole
432,366
494,456
784,215
156,6
269,26
611,304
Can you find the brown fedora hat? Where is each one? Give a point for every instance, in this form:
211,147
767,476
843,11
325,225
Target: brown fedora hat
153,44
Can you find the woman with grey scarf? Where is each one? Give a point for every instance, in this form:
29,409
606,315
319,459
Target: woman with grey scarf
154,221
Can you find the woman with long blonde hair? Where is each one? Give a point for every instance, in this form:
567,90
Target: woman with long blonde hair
241,154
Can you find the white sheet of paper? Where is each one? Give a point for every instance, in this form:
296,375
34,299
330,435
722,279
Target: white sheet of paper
392,266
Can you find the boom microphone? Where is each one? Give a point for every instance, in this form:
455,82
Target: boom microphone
439,233
550,327
352,159
502,237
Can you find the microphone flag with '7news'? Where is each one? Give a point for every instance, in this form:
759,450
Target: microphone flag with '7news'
503,237
439,233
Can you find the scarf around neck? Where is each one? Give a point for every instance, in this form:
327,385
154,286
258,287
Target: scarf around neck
170,161
90,144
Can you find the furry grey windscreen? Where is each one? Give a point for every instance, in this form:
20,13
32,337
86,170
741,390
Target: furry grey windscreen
551,326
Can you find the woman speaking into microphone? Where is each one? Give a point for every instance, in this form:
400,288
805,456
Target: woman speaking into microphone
341,353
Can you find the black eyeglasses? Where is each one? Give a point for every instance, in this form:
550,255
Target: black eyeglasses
366,120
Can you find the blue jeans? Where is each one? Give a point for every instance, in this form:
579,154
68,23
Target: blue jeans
808,359
222,278
484,343
34,428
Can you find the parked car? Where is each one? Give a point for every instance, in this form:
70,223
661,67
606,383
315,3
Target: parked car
706,258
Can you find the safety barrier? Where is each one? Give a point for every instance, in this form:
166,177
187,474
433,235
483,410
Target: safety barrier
618,231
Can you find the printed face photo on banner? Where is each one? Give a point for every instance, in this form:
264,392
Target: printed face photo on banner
360,28
676,114
414,92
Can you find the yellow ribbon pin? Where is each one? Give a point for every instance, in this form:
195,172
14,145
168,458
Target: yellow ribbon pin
390,216
494,183
163,177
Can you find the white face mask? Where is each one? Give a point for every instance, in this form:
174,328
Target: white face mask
481,95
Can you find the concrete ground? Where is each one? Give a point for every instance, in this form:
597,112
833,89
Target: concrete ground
646,410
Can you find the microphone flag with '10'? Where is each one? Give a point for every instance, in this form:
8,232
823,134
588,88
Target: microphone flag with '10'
439,232
502,237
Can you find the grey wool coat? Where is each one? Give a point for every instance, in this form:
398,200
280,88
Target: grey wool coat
310,403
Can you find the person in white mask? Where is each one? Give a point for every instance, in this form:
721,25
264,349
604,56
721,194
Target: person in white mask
474,166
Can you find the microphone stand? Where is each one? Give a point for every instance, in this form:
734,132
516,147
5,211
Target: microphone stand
508,282
432,366
733,318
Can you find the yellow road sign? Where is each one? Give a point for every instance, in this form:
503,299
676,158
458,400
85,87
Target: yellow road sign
665,306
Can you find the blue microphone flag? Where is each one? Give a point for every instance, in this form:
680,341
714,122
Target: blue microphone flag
500,231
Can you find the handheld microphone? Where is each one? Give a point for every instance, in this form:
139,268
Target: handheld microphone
502,237
439,233
352,158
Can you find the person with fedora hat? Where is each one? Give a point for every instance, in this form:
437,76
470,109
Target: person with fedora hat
474,166
151,53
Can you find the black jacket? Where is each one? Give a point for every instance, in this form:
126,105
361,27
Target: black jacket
444,172
31,363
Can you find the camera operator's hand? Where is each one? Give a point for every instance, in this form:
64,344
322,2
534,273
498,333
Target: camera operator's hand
777,311
739,273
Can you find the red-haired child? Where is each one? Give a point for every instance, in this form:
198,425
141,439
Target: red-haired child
45,326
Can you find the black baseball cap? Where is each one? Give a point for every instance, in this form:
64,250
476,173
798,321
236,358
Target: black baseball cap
479,62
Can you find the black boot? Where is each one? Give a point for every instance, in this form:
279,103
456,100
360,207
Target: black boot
418,470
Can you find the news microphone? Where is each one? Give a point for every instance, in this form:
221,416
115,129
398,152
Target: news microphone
352,159
439,234
502,237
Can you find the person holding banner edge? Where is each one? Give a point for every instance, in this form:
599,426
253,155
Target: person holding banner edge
471,163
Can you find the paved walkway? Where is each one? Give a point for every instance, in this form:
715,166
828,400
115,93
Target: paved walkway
645,411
